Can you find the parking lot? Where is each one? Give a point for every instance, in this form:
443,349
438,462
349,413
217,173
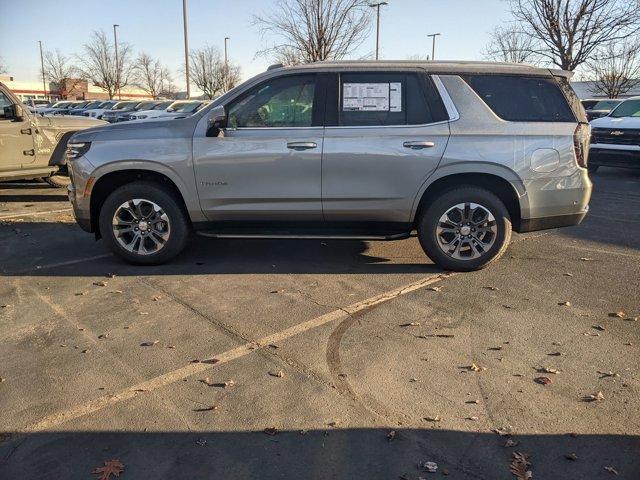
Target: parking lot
317,360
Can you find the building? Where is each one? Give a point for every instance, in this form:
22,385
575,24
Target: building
584,90
70,89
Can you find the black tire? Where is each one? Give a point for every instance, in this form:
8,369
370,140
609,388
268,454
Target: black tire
57,181
592,168
430,220
178,223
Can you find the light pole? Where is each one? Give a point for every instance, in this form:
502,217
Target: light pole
44,84
115,43
226,64
186,46
377,7
433,45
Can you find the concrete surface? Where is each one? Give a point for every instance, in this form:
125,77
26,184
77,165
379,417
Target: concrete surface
79,388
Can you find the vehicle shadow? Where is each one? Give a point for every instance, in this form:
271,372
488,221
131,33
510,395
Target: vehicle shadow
350,453
23,252
32,191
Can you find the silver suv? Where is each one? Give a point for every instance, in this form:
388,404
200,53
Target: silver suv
462,153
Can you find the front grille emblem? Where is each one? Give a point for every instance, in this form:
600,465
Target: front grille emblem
617,133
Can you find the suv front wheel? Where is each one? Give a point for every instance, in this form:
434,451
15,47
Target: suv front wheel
465,229
144,223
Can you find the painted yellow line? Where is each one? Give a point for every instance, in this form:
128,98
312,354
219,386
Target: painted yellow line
155,383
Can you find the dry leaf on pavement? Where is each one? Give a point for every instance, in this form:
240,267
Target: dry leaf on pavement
548,370
596,397
111,467
611,470
511,443
618,314
476,368
571,456
412,324
437,418
520,466
101,283
149,344
543,380
608,374
391,435
271,431
435,289
278,374
565,304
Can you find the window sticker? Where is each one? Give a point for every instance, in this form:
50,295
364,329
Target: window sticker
372,97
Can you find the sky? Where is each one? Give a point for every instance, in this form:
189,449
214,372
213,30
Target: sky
155,27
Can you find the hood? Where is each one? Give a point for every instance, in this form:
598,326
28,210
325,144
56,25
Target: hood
160,129
68,122
618,123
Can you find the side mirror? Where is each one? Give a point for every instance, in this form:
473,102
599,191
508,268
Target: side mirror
217,122
14,112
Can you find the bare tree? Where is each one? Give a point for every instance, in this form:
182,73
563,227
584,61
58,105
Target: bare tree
568,32
98,63
616,69
150,75
511,45
59,71
209,72
3,68
314,30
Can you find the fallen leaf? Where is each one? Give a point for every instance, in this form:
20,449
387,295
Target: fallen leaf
476,368
201,443
155,299
110,275
102,336
227,384
101,283
619,314
86,350
571,456
437,418
611,470
111,467
596,397
208,408
491,288
412,324
391,435
598,327
271,431
281,290
472,401
116,291
6,305
511,443
608,374
565,304
431,467
435,289
543,380
519,466
149,344
278,374
472,418
78,294
207,381
502,431
548,370
555,354
586,259
568,274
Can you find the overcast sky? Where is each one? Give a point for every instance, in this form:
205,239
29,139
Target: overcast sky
155,26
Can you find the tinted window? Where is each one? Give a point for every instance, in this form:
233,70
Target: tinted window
370,99
281,102
628,108
523,99
4,102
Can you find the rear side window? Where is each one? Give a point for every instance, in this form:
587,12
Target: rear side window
522,99
388,98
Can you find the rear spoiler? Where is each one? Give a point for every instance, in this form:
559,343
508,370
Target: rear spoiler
561,73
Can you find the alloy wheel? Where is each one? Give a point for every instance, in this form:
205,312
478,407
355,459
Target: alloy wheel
466,231
141,226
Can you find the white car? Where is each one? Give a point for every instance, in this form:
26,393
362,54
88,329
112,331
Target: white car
98,112
177,109
615,139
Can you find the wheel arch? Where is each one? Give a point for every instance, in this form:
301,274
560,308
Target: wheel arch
57,157
109,181
501,181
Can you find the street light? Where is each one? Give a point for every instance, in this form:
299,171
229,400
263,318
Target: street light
44,84
226,64
433,46
115,42
377,7
186,46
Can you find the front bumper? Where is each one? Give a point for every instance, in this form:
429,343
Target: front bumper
608,157
79,191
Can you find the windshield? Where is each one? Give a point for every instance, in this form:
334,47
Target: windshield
163,105
120,106
185,107
606,105
144,106
93,105
61,104
628,108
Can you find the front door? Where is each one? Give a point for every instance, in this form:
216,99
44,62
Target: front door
389,133
16,139
268,164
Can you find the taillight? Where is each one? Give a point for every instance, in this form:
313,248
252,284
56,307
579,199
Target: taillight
581,138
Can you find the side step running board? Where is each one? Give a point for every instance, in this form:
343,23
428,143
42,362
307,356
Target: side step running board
397,236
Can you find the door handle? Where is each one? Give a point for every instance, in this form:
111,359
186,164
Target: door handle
418,145
25,131
301,145
29,153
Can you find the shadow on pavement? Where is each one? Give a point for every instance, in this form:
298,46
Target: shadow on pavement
330,454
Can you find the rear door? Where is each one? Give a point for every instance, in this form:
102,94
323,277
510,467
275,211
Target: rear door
386,133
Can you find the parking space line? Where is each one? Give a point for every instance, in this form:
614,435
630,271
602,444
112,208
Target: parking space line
33,214
225,357
38,268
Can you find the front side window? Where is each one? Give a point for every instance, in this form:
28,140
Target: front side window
4,102
517,98
281,102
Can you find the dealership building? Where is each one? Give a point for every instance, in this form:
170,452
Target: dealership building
69,89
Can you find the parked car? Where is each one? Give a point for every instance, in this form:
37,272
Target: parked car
106,106
461,152
177,109
57,106
33,145
122,107
602,108
78,110
615,140
125,115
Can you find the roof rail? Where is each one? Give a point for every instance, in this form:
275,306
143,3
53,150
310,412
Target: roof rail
274,66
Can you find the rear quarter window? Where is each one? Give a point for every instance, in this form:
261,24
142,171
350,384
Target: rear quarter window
518,98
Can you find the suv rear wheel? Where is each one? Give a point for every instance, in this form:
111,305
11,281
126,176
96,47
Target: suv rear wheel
465,229
144,223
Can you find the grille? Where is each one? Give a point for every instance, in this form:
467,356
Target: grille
604,135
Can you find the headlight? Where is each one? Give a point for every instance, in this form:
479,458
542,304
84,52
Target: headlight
76,150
